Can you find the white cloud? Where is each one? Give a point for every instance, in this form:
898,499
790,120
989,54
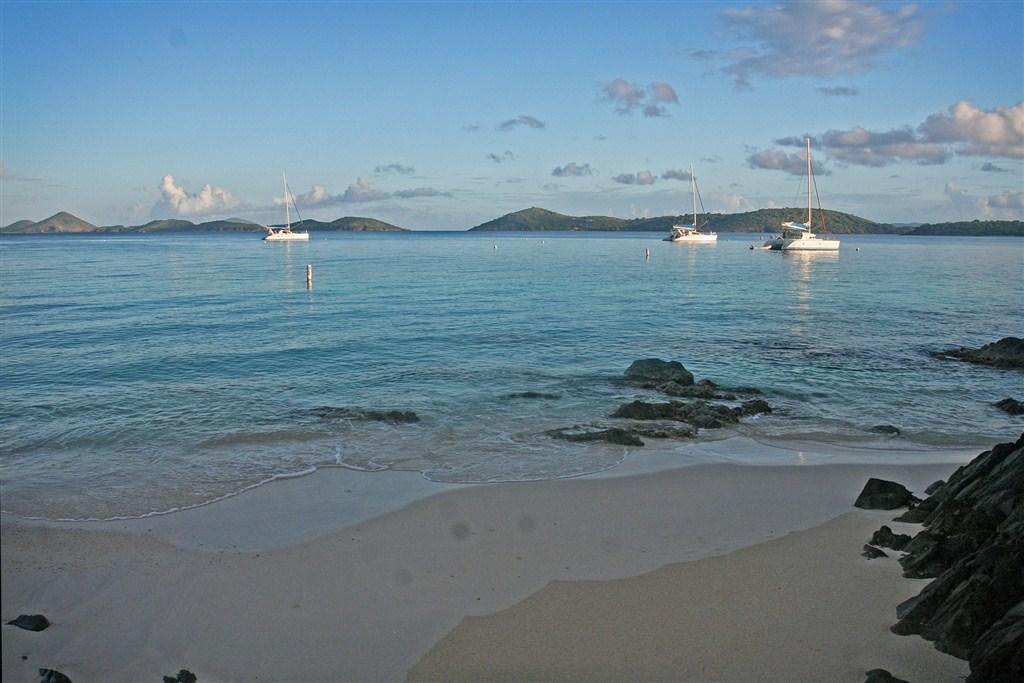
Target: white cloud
794,163
814,38
638,178
732,203
628,97
1007,205
879,148
675,174
572,169
178,201
501,158
839,91
394,168
999,132
521,120
420,192
361,191
660,91
624,95
963,129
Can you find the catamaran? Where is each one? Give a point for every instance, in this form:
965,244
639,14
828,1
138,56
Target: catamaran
798,236
690,233
284,234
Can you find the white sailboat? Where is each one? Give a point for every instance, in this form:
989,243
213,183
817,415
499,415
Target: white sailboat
285,234
689,233
798,236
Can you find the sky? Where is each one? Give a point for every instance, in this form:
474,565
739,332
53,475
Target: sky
445,115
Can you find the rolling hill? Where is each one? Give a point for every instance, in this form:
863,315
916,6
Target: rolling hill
65,223
762,220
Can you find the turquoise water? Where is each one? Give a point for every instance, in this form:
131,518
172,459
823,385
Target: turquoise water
146,373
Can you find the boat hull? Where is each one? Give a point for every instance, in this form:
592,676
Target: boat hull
808,245
287,237
690,239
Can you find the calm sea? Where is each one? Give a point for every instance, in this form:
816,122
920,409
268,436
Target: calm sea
145,373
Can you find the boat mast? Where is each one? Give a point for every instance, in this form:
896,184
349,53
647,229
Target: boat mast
287,198
808,183
693,194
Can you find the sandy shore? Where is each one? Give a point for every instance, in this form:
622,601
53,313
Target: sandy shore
372,600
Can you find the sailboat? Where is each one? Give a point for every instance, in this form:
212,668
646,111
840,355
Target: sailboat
798,236
285,234
689,233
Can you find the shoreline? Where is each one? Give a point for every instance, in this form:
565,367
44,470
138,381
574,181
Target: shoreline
368,600
329,499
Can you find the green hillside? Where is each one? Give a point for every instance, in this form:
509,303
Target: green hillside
972,229
762,220
348,224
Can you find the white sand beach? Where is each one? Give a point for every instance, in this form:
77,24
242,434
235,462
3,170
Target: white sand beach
683,574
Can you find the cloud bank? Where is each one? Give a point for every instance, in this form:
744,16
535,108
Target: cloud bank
361,191
813,38
964,129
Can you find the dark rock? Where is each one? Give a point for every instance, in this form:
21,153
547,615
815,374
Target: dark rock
369,415
886,429
918,513
664,432
697,413
1008,352
51,676
881,676
974,546
872,553
933,487
998,656
623,437
31,622
656,370
678,390
755,407
887,539
533,394
1010,405
707,383
184,676
879,494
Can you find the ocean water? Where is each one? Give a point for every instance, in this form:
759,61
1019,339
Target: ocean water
143,374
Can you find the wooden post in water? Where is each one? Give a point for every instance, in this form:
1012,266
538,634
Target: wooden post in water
309,276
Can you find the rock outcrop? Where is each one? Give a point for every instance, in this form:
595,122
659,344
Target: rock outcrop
1011,406
973,544
873,553
887,539
30,622
881,676
879,494
52,676
890,430
630,436
655,370
698,413
364,414
1008,352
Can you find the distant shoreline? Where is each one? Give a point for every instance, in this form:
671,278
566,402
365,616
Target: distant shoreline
536,219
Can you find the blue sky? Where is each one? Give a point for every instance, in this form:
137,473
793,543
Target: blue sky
444,115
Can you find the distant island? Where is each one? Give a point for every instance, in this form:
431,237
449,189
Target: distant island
64,223
537,219
759,221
